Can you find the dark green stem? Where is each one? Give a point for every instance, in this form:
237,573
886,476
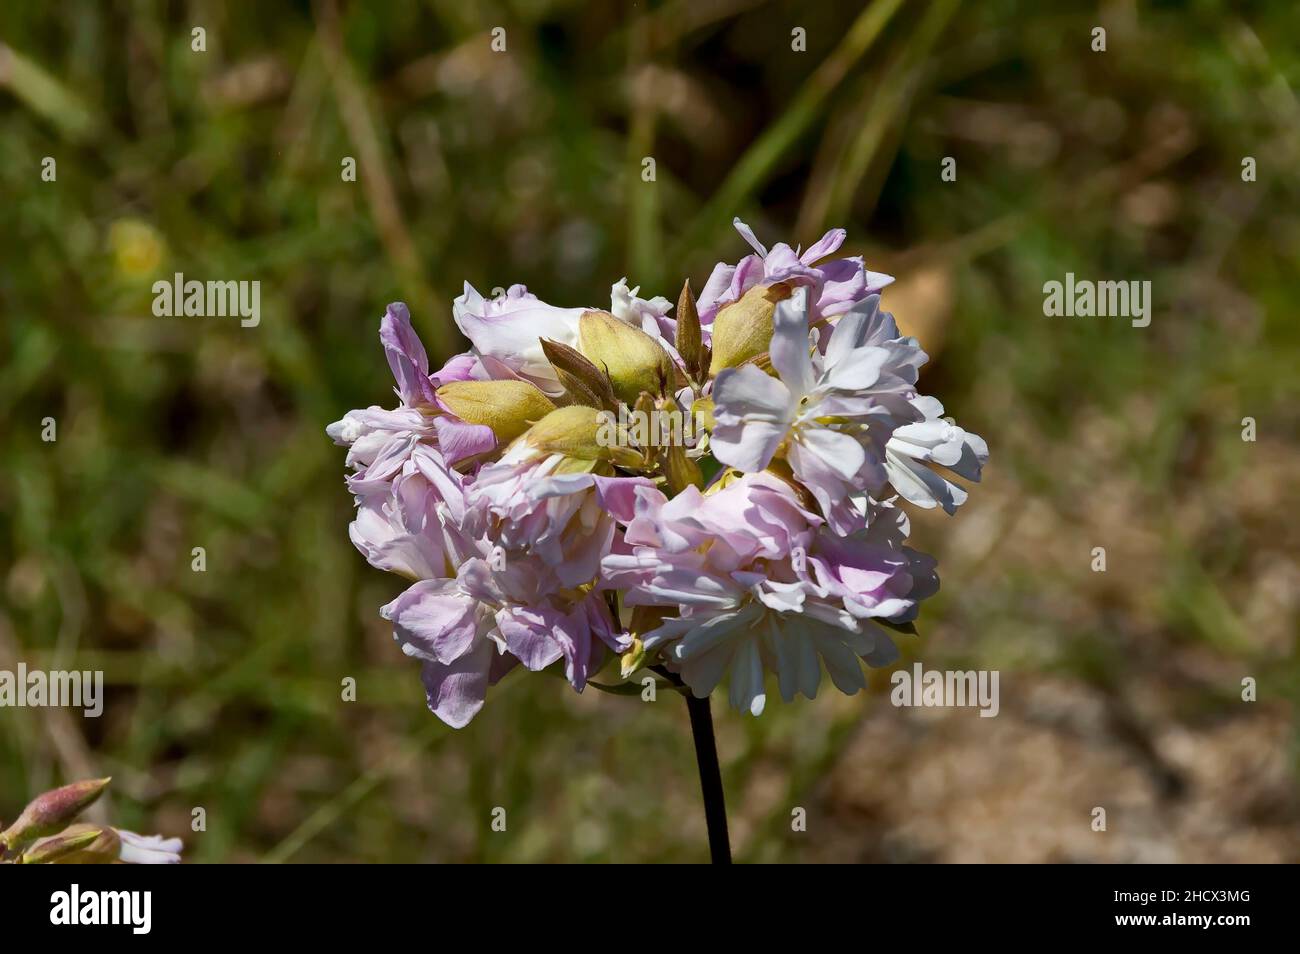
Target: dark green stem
706,758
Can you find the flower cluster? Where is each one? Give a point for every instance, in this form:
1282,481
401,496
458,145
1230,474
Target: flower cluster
539,529
47,832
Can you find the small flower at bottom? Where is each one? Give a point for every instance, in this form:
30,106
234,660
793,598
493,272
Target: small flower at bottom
763,585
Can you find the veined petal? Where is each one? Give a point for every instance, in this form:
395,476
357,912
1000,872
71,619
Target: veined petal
406,355
509,329
433,620
459,440
456,691
840,452
842,663
703,673
782,597
798,668
856,371
714,632
752,413
828,244
974,455
713,291
790,350
529,635
935,440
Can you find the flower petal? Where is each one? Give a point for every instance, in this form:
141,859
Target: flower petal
790,350
752,413
456,691
406,355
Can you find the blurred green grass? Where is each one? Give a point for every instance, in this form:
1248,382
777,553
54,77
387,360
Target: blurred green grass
525,166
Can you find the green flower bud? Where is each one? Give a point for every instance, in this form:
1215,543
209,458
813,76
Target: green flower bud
681,471
79,844
582,380
634,361
690,343
508,407
582,432
743,329
104,850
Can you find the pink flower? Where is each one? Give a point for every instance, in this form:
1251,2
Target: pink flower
530,503
379,441
470,631
413,524
506,333
760,584
529,535
540,625
526,544
451,633
409,500
375,434
835,285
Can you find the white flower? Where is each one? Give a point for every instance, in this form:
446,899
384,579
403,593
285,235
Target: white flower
648,314
148,849
828,415
936,440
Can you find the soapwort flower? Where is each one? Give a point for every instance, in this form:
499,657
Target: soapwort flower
541,527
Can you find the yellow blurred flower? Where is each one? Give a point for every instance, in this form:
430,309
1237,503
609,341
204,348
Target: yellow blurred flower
137,248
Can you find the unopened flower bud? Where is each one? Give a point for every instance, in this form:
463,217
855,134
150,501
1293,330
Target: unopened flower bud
690,344
635,361
582,380
581,432
51,812
681,471
71,842
104,850
508,407
744,328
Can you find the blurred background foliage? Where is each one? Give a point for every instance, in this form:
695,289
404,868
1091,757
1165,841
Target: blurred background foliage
1119,689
